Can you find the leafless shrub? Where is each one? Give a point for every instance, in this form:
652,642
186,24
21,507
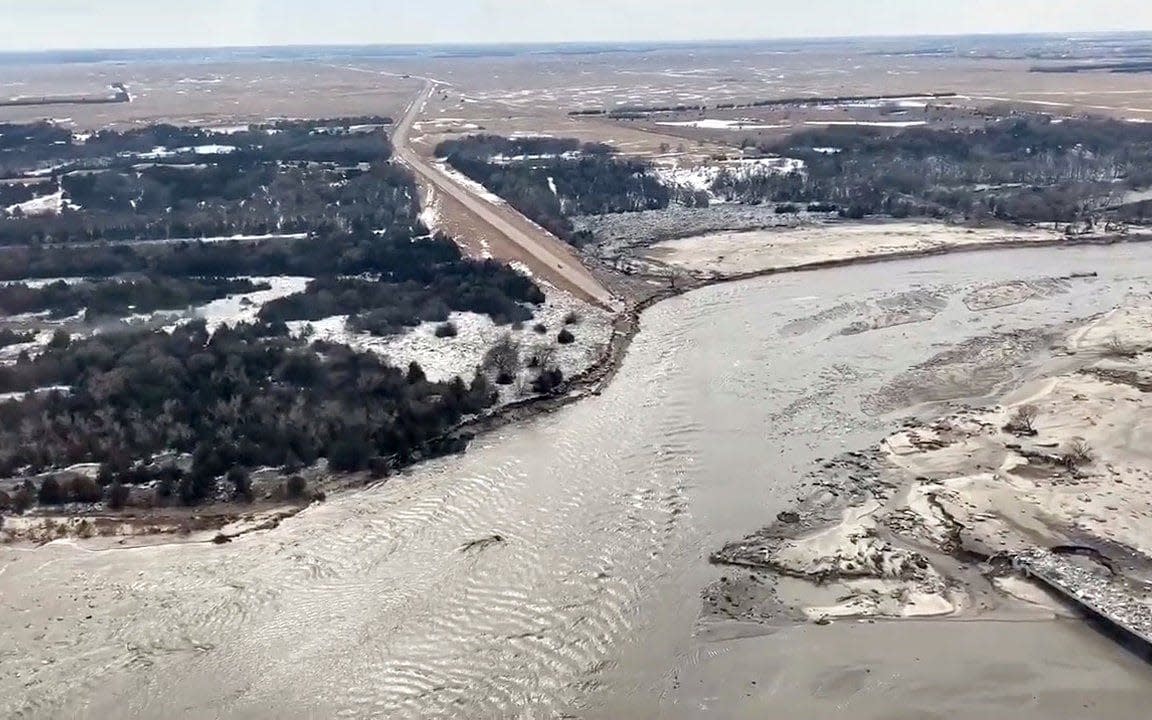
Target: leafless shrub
1023,421
543,357
503,359
1078,454
1117,348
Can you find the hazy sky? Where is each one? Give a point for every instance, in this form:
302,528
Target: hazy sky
54,24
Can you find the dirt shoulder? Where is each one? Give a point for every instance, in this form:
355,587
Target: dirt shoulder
507,234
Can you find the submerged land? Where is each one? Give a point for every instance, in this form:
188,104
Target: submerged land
857,332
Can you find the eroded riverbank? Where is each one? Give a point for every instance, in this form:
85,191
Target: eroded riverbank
377,603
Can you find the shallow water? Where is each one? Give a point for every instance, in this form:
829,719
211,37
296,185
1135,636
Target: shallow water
370,606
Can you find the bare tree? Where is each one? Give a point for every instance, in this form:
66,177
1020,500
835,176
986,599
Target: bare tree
1117,348
1023,421
1077,454
503,359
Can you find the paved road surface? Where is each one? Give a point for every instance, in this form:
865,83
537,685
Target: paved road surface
544,254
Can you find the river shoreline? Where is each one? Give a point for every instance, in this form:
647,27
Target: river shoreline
223,522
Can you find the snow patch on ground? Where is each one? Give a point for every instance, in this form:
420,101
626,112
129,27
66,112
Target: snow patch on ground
243,308
163,152
445,358
224,238
9,355
509,159
228,130
18,396
703,177
715,124
471,185
36,283
44,205
867,123
430,214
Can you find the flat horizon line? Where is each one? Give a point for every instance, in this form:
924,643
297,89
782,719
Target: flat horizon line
592,42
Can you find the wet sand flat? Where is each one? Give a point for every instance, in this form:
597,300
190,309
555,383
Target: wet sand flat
915,670
759,250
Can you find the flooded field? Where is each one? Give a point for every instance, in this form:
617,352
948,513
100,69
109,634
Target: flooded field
583,594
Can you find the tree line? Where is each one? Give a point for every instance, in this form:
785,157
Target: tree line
117,298
1022,170
237,398
550,189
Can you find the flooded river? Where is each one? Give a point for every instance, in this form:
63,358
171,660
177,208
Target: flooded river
374,604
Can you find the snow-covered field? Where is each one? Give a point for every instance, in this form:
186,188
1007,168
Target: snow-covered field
8,355
244,308
225,311
703,177
43,205
445,358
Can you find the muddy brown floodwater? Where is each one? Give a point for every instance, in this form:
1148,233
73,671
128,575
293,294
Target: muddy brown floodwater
380,603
